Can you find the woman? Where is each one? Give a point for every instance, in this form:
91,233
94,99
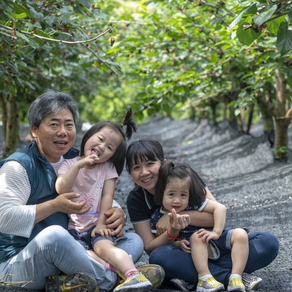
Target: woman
34,241
143,160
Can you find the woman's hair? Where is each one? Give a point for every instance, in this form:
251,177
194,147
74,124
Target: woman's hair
144,149
118,159
51,102
170,171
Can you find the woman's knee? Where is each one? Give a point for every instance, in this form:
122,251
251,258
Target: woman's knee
264,243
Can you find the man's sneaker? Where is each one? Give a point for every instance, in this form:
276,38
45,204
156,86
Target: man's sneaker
209,285
235,284
251,282
137,283
154,273
77,282
182,285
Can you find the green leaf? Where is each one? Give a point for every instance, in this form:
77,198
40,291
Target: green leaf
23,36
85,3
111,51
252,9
12,66
139,115
111,63
35,14
265,14
247,36
41,33
289,17
150,112
274,25
33,43
2,69
64,36
284,39
167,108
11,14
19,9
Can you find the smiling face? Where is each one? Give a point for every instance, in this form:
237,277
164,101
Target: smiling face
103,144
176,195
145,174
55,135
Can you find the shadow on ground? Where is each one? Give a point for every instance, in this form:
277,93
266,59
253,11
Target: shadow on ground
242,174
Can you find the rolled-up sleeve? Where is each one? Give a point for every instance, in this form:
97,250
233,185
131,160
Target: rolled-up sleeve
16,217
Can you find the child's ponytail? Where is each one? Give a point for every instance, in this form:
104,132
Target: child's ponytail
130,124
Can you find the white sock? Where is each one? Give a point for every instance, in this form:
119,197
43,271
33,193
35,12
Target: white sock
235,276
205,277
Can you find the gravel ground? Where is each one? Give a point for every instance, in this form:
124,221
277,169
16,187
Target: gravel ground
239,170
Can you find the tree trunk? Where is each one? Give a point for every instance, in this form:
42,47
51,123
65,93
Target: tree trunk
267,118
192,113
3,103
250,114
12,126
281,118
224,111
281,141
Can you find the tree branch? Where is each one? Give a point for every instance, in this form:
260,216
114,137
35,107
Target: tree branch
55,40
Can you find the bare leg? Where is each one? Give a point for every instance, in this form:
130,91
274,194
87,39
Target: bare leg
239,251
114,255
200,255
96,257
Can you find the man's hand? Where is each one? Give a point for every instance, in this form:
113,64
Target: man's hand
115,221
63,203
102,230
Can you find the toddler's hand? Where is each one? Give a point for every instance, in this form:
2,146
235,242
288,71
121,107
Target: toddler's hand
207,235
185,246
177,221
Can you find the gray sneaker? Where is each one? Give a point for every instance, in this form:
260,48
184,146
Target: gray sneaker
209,285
154,273
77,282
182,285
138,282
251,282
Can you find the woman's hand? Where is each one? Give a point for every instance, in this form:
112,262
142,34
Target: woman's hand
162,224
207,235
115,221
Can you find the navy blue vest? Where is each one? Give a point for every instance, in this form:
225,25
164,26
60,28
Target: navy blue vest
42,178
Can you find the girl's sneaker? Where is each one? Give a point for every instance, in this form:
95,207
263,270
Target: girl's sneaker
137,283
209,285
235,284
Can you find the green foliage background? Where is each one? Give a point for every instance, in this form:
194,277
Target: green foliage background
205,59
